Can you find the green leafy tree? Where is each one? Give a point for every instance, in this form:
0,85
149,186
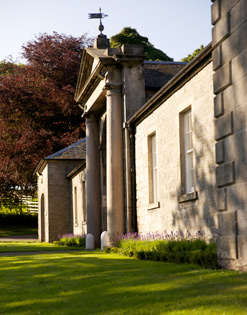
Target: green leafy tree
193,55
130,36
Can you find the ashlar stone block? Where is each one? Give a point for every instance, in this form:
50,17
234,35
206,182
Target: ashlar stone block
222,199
225,174
218,105
226,247
239,64
220,154
222,78
227,223
217,58
215,11
238,14
242,222
242,247
221,30
224,126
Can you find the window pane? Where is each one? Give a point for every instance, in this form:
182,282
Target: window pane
153,169
155,185
188,149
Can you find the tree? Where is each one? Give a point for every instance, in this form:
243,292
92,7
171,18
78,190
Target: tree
194,54
38,115
129,35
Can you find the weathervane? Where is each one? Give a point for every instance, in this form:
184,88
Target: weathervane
98,16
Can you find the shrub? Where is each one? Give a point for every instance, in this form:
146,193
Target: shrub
71,240
172,247
17,219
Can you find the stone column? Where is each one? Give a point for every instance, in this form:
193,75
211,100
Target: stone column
114,164
93,178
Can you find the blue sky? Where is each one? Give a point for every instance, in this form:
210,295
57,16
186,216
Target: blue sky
177,27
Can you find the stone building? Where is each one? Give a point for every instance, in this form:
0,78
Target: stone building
175,154
58,182
166,142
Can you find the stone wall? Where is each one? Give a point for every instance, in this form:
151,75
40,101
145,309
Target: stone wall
176,211
79,203
230,80
59,198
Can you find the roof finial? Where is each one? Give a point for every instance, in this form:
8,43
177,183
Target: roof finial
98,16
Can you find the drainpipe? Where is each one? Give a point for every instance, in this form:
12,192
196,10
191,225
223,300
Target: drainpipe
128,191
134,227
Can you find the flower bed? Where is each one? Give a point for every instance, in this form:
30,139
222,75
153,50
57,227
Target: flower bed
172,247
71,240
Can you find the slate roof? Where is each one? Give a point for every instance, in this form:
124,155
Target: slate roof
76,151
76,170
186,73
158,73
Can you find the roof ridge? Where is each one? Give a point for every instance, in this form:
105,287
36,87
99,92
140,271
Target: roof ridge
165,62
73,145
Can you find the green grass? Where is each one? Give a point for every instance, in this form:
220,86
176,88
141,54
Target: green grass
96,283
17,230
31,247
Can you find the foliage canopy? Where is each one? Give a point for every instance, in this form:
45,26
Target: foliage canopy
193,55
130,36
37,108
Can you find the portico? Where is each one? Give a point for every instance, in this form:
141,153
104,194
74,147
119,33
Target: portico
108,98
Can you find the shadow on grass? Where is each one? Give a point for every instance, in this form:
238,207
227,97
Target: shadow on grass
16,247
96,283
10,231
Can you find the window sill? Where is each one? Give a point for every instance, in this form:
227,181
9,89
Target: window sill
188,197
154,205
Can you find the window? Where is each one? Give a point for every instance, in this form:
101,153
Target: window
75,204
153,180
188,153
84,201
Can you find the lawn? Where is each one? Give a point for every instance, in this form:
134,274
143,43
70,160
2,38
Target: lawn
96,283
31,247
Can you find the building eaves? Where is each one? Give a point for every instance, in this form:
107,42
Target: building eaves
39,168
76,170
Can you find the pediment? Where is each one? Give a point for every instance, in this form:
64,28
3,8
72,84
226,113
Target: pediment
92,63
